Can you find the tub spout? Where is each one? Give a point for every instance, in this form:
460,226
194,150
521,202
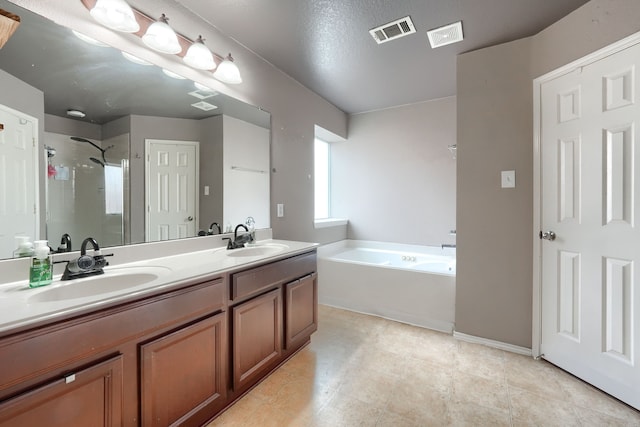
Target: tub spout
447,245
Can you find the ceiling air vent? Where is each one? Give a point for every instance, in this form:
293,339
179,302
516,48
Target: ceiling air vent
393,30
448,34
203,94
204,106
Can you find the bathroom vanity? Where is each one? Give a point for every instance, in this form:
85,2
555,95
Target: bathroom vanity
174,351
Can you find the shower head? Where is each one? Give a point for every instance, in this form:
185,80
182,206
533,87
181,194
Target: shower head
94,160
102,151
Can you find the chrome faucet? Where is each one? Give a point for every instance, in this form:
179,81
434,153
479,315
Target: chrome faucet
86,265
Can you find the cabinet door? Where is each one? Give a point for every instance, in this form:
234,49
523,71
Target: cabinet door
91,397
257,337
302,310
183,374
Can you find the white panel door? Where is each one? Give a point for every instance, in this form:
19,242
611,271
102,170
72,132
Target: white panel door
18,179
171,189
589,199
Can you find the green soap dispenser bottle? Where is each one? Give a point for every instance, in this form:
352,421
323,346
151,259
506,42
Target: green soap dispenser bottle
41,271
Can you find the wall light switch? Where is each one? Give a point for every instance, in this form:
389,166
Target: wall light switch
206,190
280,209
508,179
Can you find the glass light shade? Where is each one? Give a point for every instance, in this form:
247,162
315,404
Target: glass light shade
173,75
228,72
88,39
115,14
135,59
204,88
161,37
198,56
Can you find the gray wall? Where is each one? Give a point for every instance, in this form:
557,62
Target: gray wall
211,171
494,270
495,132
394,178
65,126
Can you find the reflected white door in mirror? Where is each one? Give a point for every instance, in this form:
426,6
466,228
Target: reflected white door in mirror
18,178
171,189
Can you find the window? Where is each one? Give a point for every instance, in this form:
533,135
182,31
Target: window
113,189
322,179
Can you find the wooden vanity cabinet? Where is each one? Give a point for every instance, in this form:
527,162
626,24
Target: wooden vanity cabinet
94,369
176,357
90,397
269,303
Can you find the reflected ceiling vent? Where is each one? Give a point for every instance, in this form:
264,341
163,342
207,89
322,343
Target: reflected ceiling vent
203,94
393,30
204,106
448,34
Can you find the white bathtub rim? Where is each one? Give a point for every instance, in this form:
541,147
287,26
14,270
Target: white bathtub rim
330,250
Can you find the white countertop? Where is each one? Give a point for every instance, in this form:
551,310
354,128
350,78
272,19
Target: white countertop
22,306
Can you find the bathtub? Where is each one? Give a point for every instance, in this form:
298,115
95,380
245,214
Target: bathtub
408,283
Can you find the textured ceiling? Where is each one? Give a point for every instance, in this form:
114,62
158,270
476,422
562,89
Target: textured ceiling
326,46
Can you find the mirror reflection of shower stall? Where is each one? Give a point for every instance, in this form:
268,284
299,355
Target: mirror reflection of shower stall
86,190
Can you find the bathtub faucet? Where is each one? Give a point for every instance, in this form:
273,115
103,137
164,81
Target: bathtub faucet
447,245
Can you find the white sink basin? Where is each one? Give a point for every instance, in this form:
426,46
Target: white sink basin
110,281
256,251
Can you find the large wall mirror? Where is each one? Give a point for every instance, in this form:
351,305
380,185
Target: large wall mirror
155,157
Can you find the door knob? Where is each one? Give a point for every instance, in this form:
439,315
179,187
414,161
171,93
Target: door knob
190,218
548,235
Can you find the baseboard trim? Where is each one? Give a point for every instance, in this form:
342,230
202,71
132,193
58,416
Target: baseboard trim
491,343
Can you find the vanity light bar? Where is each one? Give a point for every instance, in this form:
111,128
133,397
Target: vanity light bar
146,21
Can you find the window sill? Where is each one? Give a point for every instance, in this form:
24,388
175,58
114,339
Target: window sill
329,222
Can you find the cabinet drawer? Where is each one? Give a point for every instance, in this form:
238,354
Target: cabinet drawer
90,397
69,342
253,281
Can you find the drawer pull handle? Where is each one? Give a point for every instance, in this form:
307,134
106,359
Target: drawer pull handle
70,378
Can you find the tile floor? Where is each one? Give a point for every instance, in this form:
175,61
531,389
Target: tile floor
366,371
